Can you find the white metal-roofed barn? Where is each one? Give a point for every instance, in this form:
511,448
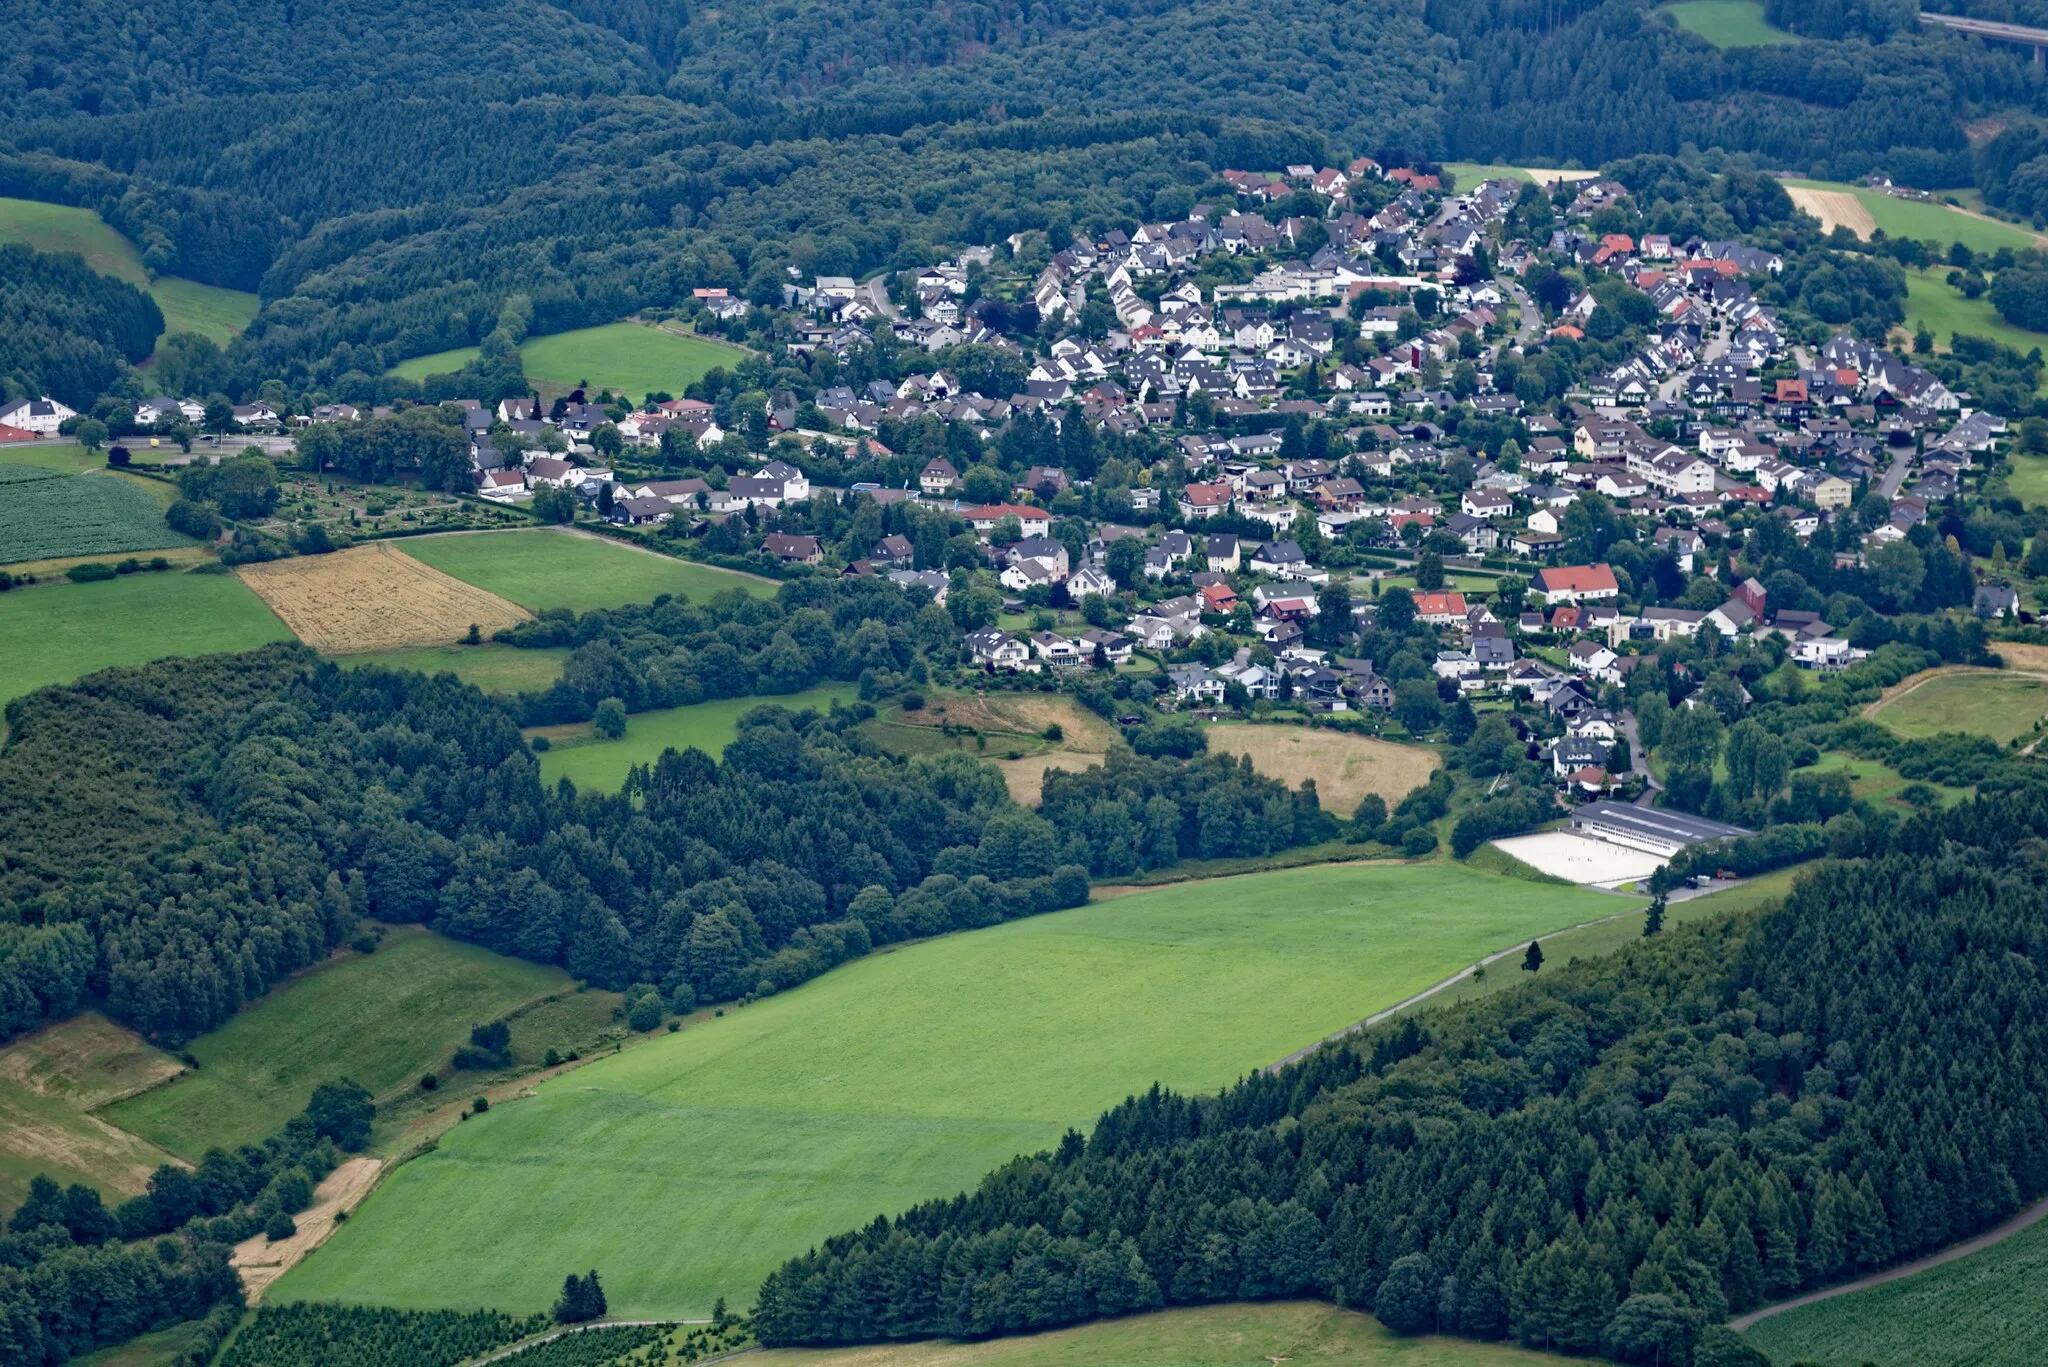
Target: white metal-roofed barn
1650,829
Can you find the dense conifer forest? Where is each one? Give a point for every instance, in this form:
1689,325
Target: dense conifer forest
65,330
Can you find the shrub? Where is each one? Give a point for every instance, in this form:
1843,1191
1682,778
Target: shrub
91,573
609,720
279,1226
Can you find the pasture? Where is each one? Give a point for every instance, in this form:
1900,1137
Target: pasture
54,633
1233,1335
374,597
540,569
1988,1309
633,359
2001,706
382,1019
577,754
493,668
1345,767
1925,220
1728,23
688,1167
1932,303
47,515
187,305
1874,781
1009,729
50,1084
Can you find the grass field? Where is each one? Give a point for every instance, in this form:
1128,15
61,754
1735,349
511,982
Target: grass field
55,633
687,1168
542,569
1345,767
382,1019
493,668
375,597
2000,706
70,460
1932,303
1005,728
1241,1335
1924,220
629,358
710,726
188,306
1875,782
2029,479
1989,1309
1728,23
45,514
50,1082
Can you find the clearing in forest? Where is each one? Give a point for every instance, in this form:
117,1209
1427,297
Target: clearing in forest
50,1083
690,1166
1345,767
1008,729
374,597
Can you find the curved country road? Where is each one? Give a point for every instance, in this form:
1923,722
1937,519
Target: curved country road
1983,1241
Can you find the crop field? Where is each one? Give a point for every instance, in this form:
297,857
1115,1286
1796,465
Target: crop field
374,597
687,1168
1925,220
51,1082
545,569
629,358
382,1019
1237,1335
187,305
1728,23
1989,1309
2001,706
588,762
45,514
493,668
55,633
1345,767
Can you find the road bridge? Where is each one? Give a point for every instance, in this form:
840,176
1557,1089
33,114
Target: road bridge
1994,32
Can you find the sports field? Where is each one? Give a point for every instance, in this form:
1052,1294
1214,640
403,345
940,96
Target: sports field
1924,220
2000,706
1728,23
686,1169
54,633
50,1082
45,515
710,726
629,358
539,570
187,305
493,668
1989,1309
1236,1335
382,1019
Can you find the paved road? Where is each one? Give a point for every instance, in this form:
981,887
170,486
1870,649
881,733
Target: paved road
1983,1241
1986,28
1639,761
1896,475
1532,317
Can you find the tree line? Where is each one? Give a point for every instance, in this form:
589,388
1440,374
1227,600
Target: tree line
1609,1159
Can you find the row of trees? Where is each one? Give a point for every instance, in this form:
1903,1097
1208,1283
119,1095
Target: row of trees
1608,1160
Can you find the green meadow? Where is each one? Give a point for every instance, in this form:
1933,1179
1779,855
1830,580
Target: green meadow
2001,706
630,358
188,306
1728,23
548,569
381,1019
687,1168
54,633
1927,220
493,668
1932,303
589,762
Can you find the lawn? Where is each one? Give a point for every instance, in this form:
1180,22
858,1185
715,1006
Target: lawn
630,358
2000,706
1989,1309
188,306
45,515
1467,174
710,726
2029,479
54,633
1926,220
1932,303
545,569
1728,23
1875,782
688,1168
1238,1335
382,1019
50,1082
493,668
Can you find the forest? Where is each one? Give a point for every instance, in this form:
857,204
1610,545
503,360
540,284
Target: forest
1610,1159
67,331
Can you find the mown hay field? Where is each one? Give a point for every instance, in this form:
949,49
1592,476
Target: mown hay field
51,1082
1345,767
374,597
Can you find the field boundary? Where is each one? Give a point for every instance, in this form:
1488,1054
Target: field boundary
1990,1237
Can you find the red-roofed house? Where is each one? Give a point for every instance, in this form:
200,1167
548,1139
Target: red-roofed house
1218,598
1033,521
1440,608
1577,584
1204,500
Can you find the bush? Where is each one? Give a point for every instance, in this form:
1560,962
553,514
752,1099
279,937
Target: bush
428,1082
195,520
279,1226
91,573
645,1013
480,1105
1418,842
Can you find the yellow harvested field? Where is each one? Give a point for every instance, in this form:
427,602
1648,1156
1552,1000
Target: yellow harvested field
51,1081
262,1262
1085,737
1549,178
374,597
1834,208
1345,767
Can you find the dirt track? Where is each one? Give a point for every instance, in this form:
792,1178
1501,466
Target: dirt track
262,1262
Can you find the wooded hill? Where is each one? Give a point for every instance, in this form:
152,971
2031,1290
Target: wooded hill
1608,1160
